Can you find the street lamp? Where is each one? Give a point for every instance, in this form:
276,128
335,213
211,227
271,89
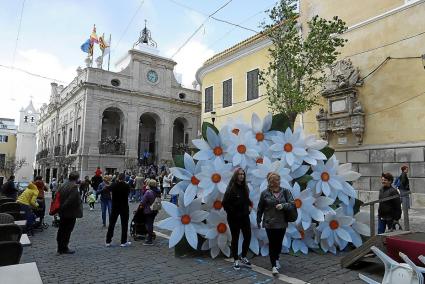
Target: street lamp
213,116
423,60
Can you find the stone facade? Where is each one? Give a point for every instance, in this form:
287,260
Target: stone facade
372,162
107,119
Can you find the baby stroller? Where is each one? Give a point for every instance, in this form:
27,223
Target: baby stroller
39,214
137,226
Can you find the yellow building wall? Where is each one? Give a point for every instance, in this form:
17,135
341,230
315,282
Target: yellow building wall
394,96
8,148
236,70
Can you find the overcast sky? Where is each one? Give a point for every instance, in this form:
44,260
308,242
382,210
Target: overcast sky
52,32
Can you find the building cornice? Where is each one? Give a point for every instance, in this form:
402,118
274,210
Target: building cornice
229,58
382,146
384,15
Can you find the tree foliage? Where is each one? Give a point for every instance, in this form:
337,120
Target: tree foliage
298,60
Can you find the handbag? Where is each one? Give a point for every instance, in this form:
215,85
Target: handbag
291,213
156,205
55,205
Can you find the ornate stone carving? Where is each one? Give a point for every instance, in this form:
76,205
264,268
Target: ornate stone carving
346,114
342,75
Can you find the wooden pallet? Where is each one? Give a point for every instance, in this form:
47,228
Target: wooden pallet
364,253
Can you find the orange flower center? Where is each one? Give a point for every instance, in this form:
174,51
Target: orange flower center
334,224
287,147
185,219
235,131
216,178
259,136
217,205
194,180
218,151
241,149
325,176
298,203
259,160
221,228
302,234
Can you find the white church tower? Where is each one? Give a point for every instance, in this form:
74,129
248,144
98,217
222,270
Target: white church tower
26,142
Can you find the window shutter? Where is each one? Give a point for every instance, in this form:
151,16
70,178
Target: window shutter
6,139
208,99
227,93
252,85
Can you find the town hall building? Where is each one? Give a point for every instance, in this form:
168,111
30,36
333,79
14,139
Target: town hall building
109,119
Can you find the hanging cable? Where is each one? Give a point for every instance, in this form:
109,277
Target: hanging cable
18,33
32,74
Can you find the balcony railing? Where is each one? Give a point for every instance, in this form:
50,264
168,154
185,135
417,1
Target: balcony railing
59,151
111,148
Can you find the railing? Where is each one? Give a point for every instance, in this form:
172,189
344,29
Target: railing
113,148
405,211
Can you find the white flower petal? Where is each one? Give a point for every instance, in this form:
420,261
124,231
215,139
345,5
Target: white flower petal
191,235
170,208
343,234
181,173
169,223
190,194
176,235
189,164
198,216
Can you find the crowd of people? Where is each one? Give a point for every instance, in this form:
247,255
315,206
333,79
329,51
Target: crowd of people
148,188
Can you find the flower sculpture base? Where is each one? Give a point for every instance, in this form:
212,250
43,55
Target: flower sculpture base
183,248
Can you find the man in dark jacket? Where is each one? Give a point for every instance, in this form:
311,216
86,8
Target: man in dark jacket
70,209
404,187
9,189
96,180
120,191
390,210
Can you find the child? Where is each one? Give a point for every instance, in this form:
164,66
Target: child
91,199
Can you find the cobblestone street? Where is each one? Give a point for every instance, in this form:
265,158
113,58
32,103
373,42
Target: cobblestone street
94,263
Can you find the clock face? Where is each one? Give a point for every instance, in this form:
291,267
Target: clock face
152,76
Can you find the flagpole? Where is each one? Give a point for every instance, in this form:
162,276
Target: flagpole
109,53
103,50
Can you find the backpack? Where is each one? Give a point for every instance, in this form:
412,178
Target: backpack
397,183
55,205
156,205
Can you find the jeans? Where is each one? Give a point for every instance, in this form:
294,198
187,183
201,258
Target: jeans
138,194
173,199
149,220
106,204
382,224
275,243
236,226
124,214
29,216
66,225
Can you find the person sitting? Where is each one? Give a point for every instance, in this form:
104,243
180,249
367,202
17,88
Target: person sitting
28,201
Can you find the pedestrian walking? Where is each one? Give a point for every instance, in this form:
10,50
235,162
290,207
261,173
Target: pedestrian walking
237,205
42,188
84,188
91,199
105,198
53,187
404,187
96,180
70,209
271,213
120,191
138,186
150,212
166,183
388,211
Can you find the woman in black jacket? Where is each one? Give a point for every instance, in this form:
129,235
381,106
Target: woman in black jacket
271,211
237,205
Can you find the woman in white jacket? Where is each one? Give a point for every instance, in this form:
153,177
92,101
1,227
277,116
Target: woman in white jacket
166,183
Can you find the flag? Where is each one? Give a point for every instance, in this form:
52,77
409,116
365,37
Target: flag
104,46
85,47
93,36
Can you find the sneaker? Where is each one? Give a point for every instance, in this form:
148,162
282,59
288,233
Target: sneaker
245,261
108,245
274,271
236,265
91,209
125,244
148,243
278,265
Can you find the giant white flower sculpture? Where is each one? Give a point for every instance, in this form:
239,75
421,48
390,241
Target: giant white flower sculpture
267,166
185,221
260,130
300,239
189,176
325,178
215,175
241,149
304,202
313,150
335,230
289,147
218,235
211,149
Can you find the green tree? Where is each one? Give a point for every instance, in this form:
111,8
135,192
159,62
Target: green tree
298,60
